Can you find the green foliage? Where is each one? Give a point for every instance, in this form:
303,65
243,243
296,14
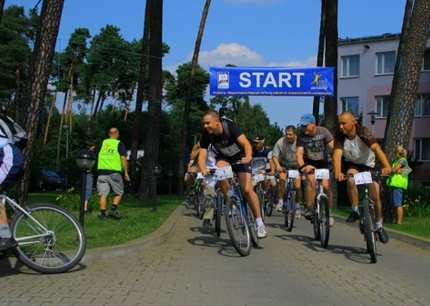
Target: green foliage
417,202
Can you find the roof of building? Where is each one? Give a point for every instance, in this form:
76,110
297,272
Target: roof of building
368,39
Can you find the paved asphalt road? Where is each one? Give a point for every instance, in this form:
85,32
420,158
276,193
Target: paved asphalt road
196,268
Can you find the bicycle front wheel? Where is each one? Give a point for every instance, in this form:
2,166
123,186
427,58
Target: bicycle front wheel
50,239
219,203
290,212
369,234
237,228
324,221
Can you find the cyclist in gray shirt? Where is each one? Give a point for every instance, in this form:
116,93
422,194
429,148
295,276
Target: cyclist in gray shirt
284,158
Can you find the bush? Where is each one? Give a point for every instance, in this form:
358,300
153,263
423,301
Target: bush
417,202
71,200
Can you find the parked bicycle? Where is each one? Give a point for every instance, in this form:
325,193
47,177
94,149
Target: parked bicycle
50,239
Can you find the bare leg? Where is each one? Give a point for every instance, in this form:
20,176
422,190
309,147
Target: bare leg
298,188
375,196
310,191
103,202
352,189
116,200
249,193
399,215
282,182
3,216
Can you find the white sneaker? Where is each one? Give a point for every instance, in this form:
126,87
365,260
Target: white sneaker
331,221
279,207
298,213
261,232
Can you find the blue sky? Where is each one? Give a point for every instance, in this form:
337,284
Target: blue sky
242,32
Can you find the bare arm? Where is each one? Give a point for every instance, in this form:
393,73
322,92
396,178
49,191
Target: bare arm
125,167
299,156
276,163
382,158
203,154
330,146
337,161
244,143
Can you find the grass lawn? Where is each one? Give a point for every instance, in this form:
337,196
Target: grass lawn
138,218
411,225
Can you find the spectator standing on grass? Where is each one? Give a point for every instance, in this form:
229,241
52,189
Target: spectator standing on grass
398,182
111,165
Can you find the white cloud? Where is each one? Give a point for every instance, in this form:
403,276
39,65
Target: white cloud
240,55
230,53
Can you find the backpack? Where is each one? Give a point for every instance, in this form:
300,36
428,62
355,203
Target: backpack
11,130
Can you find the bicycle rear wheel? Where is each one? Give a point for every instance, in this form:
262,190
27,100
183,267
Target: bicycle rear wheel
54,244
252,225
324,221
237,228
369,233
200,199
271,202
290,212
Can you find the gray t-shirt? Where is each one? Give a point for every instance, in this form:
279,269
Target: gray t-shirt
315,147
356,151
285,152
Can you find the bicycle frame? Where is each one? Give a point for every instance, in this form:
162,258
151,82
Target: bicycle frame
16,207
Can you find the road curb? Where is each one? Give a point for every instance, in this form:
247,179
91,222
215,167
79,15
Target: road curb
160,235
407,238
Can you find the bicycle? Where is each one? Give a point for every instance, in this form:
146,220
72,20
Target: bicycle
290,200
367,224
197,198
241,224
258,166
50,239
321,219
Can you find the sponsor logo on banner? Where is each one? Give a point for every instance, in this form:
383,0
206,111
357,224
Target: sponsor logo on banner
319,82
223,80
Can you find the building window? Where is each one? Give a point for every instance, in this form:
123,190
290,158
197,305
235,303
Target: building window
350,66
422,149
350,104
426,62
422,105
385,62
382,104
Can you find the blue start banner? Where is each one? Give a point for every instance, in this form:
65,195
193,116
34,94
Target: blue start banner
271,81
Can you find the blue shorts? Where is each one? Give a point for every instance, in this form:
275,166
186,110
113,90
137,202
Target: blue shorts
397,197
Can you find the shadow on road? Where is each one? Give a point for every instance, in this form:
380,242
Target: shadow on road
224,245
9,265
355,254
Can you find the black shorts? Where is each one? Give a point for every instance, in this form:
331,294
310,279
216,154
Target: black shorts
238,168
318,164
349,165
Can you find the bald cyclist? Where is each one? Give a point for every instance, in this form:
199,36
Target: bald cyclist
356,150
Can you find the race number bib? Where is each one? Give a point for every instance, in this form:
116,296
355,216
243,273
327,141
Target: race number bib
258,178
322,174
363,178
293,174
224,173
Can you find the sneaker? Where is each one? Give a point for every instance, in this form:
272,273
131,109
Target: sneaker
279,207
102,216
298,212
331,221
309,215
354,216
261,232
383,235
114,214
7,243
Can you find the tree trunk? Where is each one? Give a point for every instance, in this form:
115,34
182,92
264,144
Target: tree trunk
60,132
39,72
412,45
1,9
148,183
331,35
140,96
320,57
93,100
51,111
190,98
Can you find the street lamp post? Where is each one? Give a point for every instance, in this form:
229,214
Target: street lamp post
85,161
